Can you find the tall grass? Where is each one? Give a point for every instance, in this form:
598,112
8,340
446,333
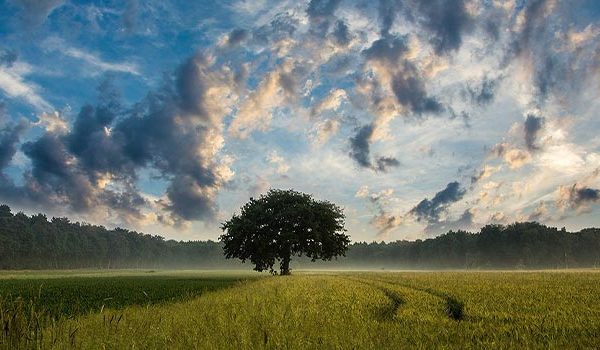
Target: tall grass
347,311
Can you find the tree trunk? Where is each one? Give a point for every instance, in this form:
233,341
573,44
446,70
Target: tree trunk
285,266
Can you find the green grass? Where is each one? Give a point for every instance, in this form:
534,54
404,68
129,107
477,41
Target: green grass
342,310
76,295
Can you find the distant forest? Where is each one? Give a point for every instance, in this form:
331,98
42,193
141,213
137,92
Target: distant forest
34,242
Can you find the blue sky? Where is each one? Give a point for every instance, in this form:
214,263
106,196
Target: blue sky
165,117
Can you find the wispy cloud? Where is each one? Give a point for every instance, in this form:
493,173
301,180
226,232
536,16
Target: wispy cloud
93,61
14,84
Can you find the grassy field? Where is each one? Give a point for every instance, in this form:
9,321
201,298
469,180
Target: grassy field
314,310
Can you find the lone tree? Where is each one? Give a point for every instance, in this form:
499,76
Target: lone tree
282,224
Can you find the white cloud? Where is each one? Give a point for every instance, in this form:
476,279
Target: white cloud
14,84
98,65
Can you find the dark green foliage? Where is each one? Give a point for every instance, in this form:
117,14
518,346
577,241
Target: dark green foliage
38,243
527,245
282,224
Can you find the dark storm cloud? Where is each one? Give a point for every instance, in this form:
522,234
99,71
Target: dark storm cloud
90,140
340,34
360,146
53,178
532,127
166,132
187,203
577,196
582,195
127,201
430,210
237,36
446,21
385,163
587,194
410,91
360,149
190,87
35,12
388,50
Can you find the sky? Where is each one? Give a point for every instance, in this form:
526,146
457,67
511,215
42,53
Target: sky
416,117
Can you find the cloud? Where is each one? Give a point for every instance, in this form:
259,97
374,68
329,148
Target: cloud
341,35
331,102
410,91
10,135
464,222
360,151
532,126
557,58
514,157
385,163
279,162
324,130
14,85
387,11
53,123
484,173
483,93
98,65
360,147
430,210
383,220
53,179
540,213
277,87
362,192
237,36
446,21
34,12
176,130
321,14
388,58
578,197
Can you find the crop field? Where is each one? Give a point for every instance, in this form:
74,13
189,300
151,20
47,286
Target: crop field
308,310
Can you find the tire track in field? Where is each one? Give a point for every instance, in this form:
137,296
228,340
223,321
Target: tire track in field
389,312
454,307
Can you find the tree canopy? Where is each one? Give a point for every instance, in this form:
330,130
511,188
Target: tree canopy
282,224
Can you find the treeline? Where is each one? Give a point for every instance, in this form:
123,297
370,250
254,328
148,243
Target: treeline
526,245
34,242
